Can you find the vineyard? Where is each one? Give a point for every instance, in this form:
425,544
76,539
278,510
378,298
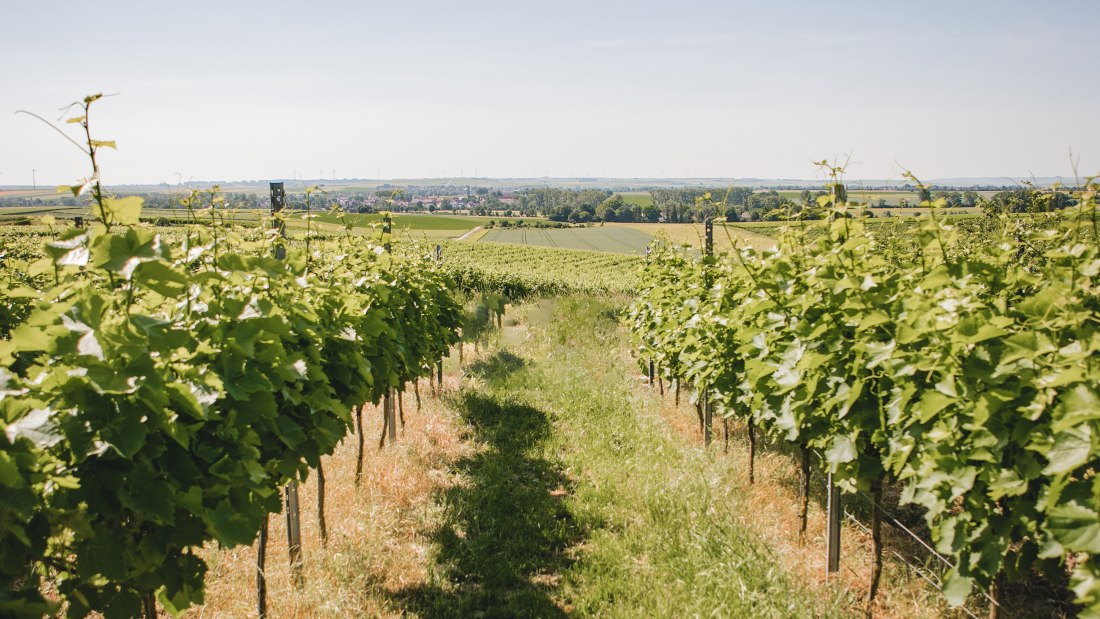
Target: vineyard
522,271
956,363
165,389
165,384
158,393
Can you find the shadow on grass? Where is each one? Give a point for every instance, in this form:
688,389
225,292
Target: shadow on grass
502,545
498,367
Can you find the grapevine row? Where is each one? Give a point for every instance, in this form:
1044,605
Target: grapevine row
156,394
962,367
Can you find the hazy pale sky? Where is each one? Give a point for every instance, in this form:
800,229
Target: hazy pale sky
257,90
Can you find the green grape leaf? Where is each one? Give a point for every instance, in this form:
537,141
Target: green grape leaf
1070,450
1075,526
957,588
125,211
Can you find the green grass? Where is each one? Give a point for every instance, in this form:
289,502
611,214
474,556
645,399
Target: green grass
582,502
640,199
600,238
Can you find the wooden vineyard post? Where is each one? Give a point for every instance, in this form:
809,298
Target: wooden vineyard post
294,532
261,578
708,404
278,201
150,605
439,370
391,417
995,596
876,544
321,504
359,433
833,534
401,406
708,225
293,522
803,491
387,231
752,451
708,414
652,367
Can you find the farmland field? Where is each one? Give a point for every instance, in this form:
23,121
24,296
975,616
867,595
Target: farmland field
548,345
410,225
641,198
692,234
614,239
914,211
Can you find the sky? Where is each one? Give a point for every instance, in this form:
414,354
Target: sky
236,90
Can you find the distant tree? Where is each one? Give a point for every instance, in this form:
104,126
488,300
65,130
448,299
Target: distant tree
608,210
492,203
952,199
1027,200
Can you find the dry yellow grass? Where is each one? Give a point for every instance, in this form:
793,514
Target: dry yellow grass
770,508
378,532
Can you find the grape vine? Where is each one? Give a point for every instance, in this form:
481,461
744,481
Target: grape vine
962,366
156,393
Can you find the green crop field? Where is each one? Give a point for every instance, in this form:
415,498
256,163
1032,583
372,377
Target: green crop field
607,239
914,211
640,198
413,225
725,237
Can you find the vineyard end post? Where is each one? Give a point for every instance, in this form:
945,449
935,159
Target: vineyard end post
294,532
391,417
708,414
278,202
833,538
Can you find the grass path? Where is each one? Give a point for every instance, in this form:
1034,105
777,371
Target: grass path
580,499
547,481
469,234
